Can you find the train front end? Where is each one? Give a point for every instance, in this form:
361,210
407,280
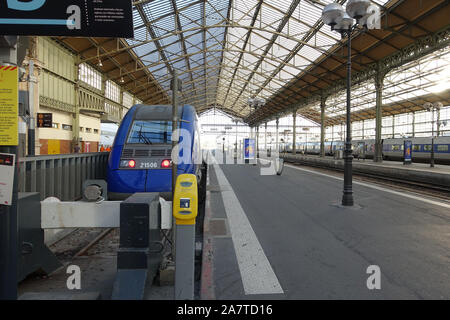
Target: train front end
140,160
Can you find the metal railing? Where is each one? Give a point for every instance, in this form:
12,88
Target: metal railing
61,176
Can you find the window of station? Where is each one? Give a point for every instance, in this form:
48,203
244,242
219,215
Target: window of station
89,75
127,100
112,91
88,130
81,129
67,127
96,131
55,125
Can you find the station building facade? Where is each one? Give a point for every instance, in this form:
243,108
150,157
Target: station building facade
78,96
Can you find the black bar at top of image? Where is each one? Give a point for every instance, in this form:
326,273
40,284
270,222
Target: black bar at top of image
77,18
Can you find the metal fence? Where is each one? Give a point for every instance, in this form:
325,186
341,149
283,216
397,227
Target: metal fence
60,176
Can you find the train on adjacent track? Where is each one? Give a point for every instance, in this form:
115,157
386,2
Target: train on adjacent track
141,155
392,148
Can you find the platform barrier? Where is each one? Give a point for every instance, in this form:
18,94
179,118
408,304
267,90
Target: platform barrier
60,176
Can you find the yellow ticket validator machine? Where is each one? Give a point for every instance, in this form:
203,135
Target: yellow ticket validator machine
184,208
185,199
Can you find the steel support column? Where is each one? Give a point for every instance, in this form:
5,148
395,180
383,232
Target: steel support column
294,131
276,137
378,157
265,138
322,125
174,127
76,147
257,141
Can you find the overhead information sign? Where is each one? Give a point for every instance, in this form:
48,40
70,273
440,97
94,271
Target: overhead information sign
78,18
44,120
9,106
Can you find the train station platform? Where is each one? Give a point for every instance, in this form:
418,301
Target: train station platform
414,172
287,237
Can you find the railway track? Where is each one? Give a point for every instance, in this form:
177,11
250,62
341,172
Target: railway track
434,191
78,243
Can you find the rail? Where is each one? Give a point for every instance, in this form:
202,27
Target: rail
60,176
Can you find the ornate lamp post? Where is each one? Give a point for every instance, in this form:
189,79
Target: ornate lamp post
254,104
435,107
342,21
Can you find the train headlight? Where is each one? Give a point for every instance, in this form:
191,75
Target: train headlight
131,163
165,163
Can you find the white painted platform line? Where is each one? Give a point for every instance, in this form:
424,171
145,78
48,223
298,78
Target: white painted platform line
385,189
257,274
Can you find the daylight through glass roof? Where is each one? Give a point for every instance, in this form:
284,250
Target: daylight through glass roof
227,51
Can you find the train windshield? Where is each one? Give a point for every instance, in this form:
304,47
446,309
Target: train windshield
151,132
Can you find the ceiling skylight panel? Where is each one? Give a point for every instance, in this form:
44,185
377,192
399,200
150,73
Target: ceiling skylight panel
268,66
299,62
243,11
166,25
323,41
290,70
279,51
249,59
157,8
309,14
287,43
269,18
140,35
197,59
137,20
144,50
309,53
179,64
188,15
174,48
182,3
295,29
283,75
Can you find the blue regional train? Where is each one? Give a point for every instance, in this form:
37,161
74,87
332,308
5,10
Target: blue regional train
140,159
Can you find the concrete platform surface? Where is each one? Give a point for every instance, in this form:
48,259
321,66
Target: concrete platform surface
311,247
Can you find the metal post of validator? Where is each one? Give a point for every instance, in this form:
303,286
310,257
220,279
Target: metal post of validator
185,207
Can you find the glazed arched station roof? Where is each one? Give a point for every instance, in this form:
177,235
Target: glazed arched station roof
227,51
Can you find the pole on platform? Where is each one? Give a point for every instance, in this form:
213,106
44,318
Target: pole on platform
347,197
294,132
185,209
432,139
174,127
32,123
8,214
276,137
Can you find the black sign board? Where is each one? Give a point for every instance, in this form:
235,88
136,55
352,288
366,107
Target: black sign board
44,120
77,18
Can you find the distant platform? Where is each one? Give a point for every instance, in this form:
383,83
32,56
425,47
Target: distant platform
415,172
